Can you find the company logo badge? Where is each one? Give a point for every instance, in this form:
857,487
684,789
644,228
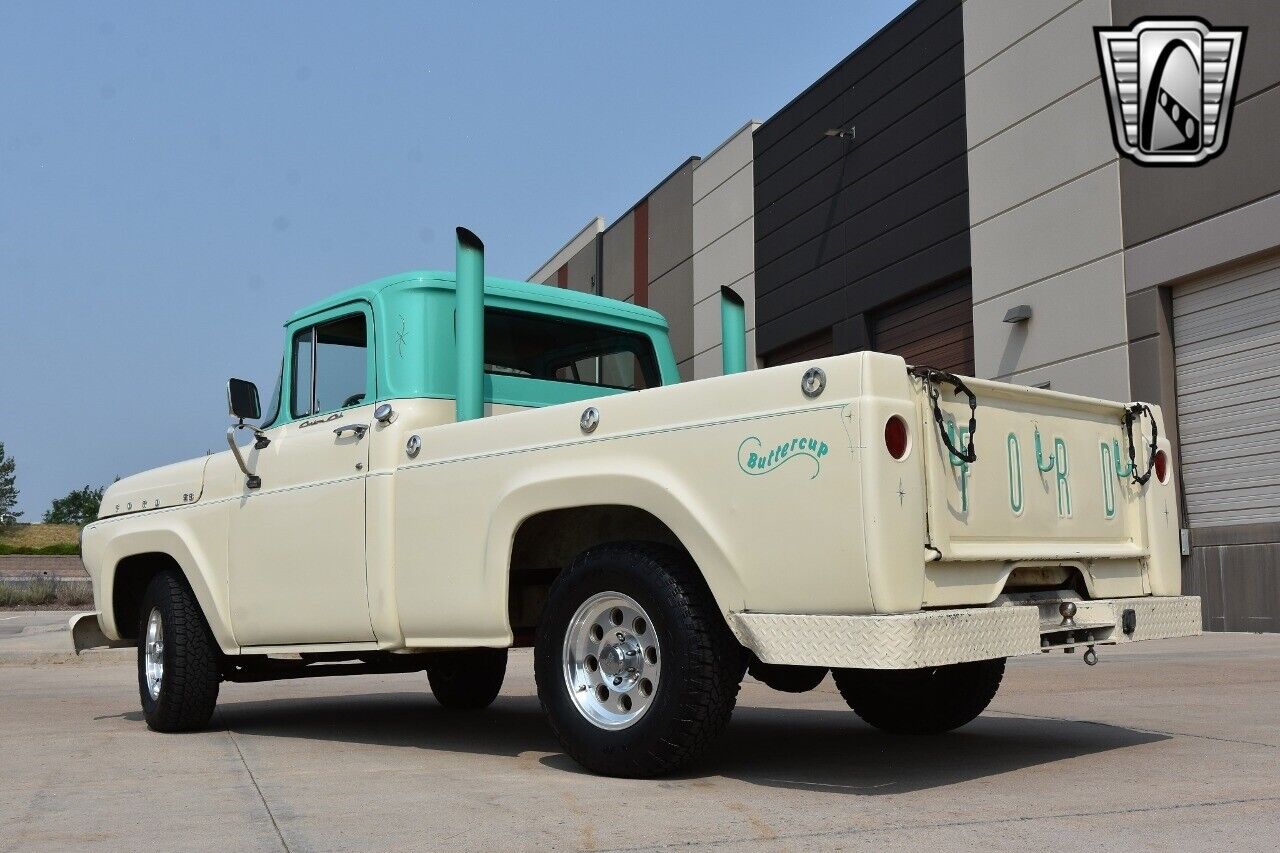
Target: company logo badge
1170,86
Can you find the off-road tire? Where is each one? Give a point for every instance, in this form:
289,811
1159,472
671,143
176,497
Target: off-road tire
192,661
787,679
921,701
468,679
702,663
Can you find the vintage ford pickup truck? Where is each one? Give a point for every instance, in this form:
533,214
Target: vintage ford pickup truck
453,465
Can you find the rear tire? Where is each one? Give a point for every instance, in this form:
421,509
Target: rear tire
179,664
921,701
636,670
468,679
787,679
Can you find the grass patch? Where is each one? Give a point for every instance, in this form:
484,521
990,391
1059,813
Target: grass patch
44,592
50,539
7,550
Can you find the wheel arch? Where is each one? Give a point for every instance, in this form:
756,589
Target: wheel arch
138,556
542,525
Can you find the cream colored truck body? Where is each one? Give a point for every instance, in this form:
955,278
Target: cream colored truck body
831,553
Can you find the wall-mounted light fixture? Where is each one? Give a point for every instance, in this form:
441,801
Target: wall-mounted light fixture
1018,314
849,132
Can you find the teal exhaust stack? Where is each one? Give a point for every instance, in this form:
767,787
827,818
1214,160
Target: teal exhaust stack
733,331
469,326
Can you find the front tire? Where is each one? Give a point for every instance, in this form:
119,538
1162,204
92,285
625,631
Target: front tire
178,660
921,701
636,670
468,679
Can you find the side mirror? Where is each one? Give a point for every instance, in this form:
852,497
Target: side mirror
242,400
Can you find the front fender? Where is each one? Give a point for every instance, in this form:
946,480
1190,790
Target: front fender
141,534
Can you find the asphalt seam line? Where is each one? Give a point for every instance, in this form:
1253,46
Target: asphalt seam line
230,734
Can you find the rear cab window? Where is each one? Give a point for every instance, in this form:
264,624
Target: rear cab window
537,346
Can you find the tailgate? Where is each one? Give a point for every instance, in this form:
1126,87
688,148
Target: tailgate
1051,479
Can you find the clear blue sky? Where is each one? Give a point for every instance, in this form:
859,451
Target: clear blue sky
175,179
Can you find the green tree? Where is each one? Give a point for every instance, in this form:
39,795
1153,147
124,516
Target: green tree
78,507
8,491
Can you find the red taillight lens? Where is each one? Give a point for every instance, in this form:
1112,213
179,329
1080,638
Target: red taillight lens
896,440
1162,466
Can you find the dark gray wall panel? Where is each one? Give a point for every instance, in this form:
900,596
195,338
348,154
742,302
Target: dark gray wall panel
828,226
843,228
910,149
865,295
846,272
882,97
911,23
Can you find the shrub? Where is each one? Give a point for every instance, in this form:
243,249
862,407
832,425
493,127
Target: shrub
45,591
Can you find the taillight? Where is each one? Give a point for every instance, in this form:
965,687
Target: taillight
896,439
1162,466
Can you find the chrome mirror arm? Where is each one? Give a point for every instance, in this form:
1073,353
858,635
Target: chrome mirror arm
253,481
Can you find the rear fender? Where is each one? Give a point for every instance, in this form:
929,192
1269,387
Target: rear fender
668,502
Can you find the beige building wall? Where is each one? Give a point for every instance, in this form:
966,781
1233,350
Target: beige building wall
670,259
723,245
1044,198
577,260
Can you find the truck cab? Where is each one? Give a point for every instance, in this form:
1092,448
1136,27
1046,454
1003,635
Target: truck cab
395,340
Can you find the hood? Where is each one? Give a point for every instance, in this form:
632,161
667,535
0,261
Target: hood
172,485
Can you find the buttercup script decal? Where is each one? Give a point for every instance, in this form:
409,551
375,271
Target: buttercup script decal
755,460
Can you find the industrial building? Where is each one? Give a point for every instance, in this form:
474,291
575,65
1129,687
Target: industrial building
951,192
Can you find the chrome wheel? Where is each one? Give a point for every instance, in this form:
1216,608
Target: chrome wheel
612,661
153,653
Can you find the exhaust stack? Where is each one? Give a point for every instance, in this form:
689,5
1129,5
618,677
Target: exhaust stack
733,331
469,326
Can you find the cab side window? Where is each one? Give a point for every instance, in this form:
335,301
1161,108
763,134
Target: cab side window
329,366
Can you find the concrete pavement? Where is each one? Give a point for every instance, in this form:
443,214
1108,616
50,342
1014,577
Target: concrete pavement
1170,744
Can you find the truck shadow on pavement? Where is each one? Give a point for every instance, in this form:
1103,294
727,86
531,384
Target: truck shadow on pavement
817,750
835,752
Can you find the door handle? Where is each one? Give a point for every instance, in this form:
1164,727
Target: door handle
358,429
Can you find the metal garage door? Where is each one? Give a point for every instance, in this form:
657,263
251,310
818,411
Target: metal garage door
818,345
934,328
1226,338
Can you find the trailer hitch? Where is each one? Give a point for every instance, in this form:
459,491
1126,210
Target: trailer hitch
932,377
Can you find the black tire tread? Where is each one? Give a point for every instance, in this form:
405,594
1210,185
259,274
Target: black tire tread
786,679
715,660
467,679
920,702
192,670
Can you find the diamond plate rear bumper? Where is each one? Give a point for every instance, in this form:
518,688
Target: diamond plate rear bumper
940,637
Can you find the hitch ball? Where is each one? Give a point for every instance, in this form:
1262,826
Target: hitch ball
1068,611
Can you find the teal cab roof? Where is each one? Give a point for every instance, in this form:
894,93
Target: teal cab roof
501,288
413,344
